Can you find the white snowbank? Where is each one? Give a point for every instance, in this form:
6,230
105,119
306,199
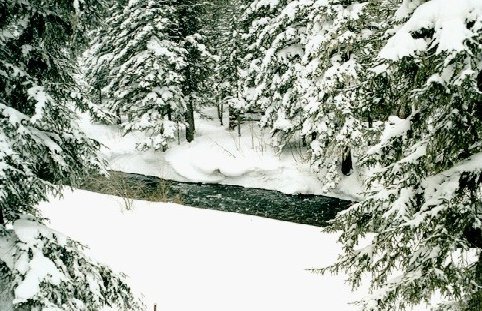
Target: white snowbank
183,258
217,156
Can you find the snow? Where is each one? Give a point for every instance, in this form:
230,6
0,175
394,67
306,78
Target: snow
443,185
31,264
77,7
394,127
156,46
184,258
217,156
447,18
40,96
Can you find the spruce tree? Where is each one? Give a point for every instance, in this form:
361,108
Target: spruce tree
191,36
422,214
41,149
302,68
136,70
337,34
227,45
274,71
255,19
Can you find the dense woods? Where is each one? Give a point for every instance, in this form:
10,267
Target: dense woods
386,90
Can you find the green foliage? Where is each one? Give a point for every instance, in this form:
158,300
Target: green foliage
148,66
42,148
423,198
393,84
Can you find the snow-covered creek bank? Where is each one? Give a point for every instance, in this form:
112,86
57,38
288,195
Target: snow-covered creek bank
298,208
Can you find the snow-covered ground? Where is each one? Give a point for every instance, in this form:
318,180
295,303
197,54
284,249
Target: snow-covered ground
217,156
184,258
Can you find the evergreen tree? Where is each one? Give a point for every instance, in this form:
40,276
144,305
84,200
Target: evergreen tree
136,68
41,149
424,194
199,60
257,16
226,43
304,72
337,34
275,70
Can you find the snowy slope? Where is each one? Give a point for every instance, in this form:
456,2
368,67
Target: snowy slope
183,258
217,156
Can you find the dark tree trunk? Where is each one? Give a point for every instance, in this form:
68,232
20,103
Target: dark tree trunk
370,125
2,218
233,118
169,113
239,124
119,117
346,163
190,122
479,81
220,113
370,121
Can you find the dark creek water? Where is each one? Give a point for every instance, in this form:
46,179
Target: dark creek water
299,208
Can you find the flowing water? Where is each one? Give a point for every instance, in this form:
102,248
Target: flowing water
309,209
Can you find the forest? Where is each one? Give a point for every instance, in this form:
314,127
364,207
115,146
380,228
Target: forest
338,141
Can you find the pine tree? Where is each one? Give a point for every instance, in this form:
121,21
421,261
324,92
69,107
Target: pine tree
136,66
41,149
281,41
424,197
338,33
256,18
226,43
305,76
199,60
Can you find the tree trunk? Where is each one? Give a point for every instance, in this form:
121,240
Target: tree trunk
169,113
239,124
190,122
346,162
232,122
220,113
2,218
119,117
479,81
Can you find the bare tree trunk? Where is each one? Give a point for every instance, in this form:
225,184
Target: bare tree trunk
119,117
220,118
220,109
346,162
232,119
2,218
239,124
190,122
